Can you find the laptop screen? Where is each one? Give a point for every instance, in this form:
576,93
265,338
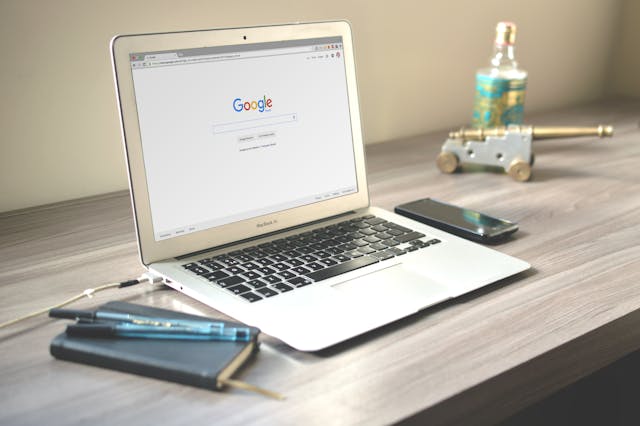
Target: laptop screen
234,132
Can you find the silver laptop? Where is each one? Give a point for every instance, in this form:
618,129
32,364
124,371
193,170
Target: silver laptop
247,175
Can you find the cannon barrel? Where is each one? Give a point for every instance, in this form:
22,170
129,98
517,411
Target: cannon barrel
540,132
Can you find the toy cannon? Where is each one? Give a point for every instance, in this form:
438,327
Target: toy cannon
505,147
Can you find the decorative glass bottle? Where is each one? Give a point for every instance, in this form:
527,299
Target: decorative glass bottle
500,89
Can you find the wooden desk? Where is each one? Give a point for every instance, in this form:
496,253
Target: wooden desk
479,358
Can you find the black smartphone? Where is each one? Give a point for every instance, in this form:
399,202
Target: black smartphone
456,220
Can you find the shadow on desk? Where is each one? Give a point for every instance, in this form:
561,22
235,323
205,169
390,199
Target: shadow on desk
609,396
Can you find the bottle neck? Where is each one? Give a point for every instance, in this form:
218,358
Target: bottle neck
504,56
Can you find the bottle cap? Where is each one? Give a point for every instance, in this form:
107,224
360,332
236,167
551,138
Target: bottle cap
505,33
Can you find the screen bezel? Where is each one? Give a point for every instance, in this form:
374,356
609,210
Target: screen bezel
152,250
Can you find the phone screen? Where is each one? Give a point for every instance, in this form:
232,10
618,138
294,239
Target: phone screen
452,218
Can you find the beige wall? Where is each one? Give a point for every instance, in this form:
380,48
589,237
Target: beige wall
625,75
416,61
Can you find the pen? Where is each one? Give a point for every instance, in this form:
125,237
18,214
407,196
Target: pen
135,319
154,332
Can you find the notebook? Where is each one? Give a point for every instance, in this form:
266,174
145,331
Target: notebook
247,173
206,364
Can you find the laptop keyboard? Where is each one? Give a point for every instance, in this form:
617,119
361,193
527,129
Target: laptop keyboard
279,266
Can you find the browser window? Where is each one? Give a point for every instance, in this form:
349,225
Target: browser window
234,132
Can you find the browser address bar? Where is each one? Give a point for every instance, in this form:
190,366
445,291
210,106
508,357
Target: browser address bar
162,61
255,123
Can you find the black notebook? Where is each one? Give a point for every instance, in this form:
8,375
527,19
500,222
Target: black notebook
206,364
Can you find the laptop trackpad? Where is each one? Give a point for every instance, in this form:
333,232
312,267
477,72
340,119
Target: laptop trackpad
395,286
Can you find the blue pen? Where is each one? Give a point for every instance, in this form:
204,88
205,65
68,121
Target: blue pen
130,330
213,326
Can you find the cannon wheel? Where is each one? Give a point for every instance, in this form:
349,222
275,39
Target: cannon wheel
520,171
447,162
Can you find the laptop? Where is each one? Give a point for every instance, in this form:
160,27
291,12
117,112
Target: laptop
247,174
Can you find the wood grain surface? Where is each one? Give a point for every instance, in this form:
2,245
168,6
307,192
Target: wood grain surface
478,358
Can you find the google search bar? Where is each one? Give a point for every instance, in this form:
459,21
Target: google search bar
254,123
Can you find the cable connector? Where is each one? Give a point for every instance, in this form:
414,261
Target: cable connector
149,277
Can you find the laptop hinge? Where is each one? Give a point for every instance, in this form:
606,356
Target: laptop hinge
262,236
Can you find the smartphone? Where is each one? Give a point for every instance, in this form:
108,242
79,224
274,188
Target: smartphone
465,223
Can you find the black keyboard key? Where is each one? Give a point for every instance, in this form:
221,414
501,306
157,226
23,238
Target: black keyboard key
360,243
341,258
291,254
379,228
347,266
384,235
198,270
230,262
231,281
243,257
256,283
272,279
267,292
343,239
361,225
409,237
282,287
316,266
371,239
434,241
394,232
266,270
300,281
216,275
257,253
375,221
397,251
235,270
367,232
250,275
328,262
322,254
301,270
392,225
383,255
279,257
378,246
319,246
287,275
238,289
348,246
220,257
250,265
366,250
308,258
251,296
280,266
265,261
419,243
354,253
295,262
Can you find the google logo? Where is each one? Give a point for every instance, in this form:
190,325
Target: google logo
261,104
